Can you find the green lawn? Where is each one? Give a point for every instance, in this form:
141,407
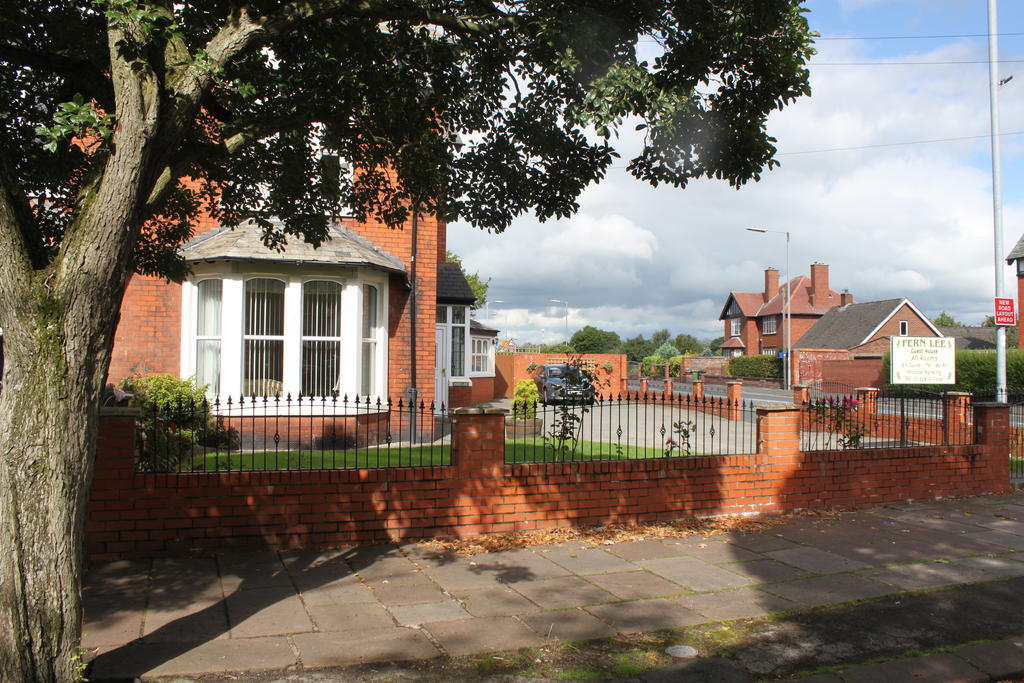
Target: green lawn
404,456
531,449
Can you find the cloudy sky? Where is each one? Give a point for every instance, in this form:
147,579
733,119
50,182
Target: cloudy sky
864,186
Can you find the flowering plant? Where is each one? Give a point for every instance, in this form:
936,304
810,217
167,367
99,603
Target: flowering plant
838,416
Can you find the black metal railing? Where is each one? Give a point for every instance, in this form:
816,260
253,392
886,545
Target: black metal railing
841,422
630,426
274,433
820,388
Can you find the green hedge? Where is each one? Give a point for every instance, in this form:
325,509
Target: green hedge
756,366
975,372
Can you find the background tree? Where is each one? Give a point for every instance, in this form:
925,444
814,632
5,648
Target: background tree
659,337
476,283
944,319
108,107
591,339
688,344
637,348
714,347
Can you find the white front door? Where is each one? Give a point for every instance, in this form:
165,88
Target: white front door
444,367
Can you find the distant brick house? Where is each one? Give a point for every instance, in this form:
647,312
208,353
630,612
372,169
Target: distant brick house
753,321
847,343
375,311
1016,258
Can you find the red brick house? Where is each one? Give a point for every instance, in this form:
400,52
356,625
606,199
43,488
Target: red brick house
847,343
1016,256
374,311
753,321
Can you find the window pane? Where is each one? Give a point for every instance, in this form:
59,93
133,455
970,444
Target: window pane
321,309
264,307
368,386
208,315
442,314
321,367
369,311
208,364
263,370
459,315
458,351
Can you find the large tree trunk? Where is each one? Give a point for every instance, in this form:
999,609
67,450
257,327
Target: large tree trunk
57,350
48,429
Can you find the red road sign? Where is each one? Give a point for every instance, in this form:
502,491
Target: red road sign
1005,314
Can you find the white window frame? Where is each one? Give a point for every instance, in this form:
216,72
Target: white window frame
234,275
768,325
735,327
482,349
450,329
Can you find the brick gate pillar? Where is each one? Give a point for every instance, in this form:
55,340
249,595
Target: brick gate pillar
992,430
801,394
734,397
478,442
956,411
867,400
697,390
778,430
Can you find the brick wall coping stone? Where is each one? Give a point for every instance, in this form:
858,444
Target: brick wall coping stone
991,404
489,410
775,407
119,411
958,393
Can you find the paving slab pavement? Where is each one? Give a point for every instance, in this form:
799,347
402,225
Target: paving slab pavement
388,603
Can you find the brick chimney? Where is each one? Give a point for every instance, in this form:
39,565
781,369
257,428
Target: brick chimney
819,286
771,283
845,299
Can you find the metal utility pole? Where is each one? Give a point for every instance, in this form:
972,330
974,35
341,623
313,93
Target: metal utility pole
787,312
997,191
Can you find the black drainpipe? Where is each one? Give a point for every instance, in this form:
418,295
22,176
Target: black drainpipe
413,391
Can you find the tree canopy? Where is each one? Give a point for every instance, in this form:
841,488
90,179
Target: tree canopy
944,319
590,339
470,110
476,283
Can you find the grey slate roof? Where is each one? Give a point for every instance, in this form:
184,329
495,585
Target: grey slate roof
844,327
452,287
478,328
971,337
245,243
1017,252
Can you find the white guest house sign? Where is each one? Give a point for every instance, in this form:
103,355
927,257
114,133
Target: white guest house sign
923,360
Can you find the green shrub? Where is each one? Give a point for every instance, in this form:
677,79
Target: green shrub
525,400
648,364
756,366
674,364
173,417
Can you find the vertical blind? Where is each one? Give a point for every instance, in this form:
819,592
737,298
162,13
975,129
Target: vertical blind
208,334
263,338
321,338
368,385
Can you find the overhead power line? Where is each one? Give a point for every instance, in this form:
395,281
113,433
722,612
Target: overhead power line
936,37
895,144
884,144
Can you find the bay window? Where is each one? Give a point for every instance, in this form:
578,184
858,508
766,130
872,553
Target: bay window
303,331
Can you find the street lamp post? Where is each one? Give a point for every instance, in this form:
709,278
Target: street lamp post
787,313
488,305
566,304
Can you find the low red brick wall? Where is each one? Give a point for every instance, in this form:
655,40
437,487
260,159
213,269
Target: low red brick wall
137,515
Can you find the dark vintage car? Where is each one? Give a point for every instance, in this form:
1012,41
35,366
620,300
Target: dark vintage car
563,384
